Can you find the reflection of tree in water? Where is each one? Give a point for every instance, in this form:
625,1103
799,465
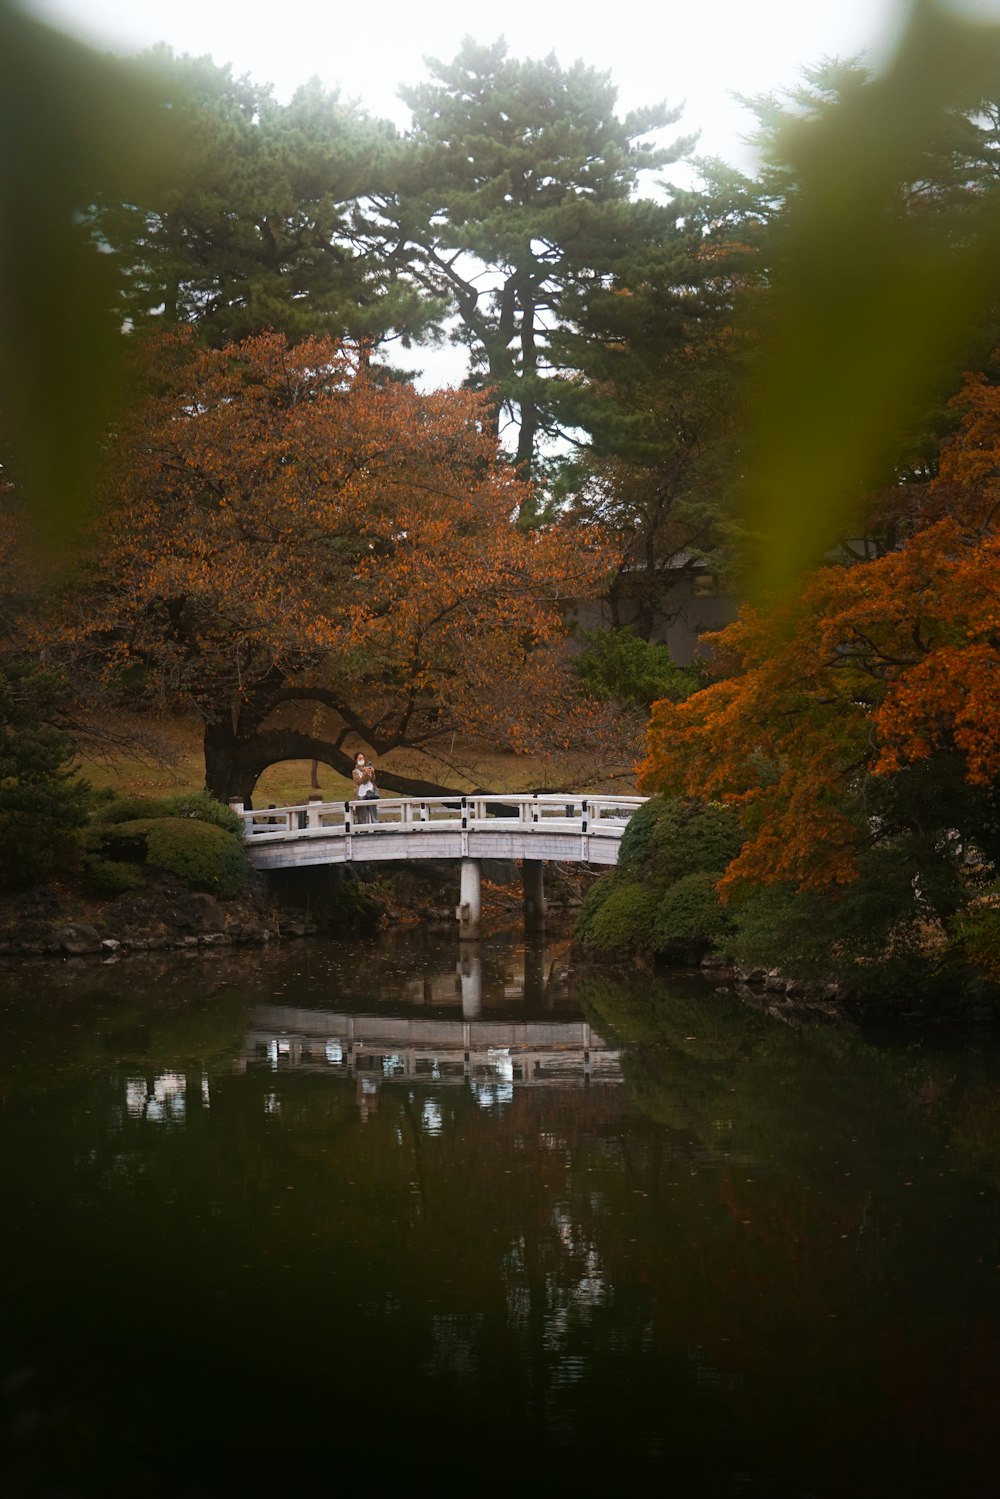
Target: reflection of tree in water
61,1019
739,1271
701,1062
852,1204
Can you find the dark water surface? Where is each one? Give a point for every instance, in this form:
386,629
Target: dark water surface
338,1219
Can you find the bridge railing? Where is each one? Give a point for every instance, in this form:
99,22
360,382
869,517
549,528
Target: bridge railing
600,816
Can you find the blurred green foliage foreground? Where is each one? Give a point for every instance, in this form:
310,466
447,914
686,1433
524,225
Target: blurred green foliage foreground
865,314
72,123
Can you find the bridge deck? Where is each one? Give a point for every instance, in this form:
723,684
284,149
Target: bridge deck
569,828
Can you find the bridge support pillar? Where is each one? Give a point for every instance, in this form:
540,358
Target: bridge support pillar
469,909
537,995
470,976
533,878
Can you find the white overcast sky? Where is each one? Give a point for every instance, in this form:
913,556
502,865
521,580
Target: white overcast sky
688,53
678,50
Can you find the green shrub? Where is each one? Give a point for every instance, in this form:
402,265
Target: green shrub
620,666
672,853
201,856
191,836
689,915
668,838
129,808
198,806
618,914
636,839
203,807
691,837
106,878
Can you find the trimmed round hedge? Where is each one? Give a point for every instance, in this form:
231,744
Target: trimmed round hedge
662,897
195,805
200,855
618,913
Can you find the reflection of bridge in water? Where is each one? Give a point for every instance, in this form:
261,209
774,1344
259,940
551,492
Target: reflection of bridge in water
491,1021
387,1048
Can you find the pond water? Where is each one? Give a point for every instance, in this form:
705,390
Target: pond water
390,1217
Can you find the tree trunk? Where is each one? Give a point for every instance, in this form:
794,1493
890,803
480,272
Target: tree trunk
234,762
527,405
227,776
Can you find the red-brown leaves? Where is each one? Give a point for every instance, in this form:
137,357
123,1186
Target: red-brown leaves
282,509
869,669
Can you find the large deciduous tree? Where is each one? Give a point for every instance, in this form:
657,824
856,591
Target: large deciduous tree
285,529
861,718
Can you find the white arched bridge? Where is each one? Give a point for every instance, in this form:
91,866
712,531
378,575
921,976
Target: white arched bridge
528,829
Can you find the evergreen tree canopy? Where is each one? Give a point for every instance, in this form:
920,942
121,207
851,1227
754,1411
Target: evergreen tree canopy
256,223
41,802
519,187
659,345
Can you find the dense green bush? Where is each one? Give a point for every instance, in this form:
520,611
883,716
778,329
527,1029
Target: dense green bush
203,857
688,837
620,666
191,836
129,808
618,915
202,806
106,878
636,839
661,898
196,805
689,917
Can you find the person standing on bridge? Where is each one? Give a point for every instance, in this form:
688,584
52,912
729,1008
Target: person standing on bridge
365,789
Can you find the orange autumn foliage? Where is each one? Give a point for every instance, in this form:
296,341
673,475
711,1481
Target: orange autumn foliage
282,518
870,669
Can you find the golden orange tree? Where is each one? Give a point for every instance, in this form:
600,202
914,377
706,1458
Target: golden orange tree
287,527
866,708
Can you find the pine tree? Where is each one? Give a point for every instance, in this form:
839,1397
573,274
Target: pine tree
255,223
519,188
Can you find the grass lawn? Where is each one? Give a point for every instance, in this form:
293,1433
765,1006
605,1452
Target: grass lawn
178,766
